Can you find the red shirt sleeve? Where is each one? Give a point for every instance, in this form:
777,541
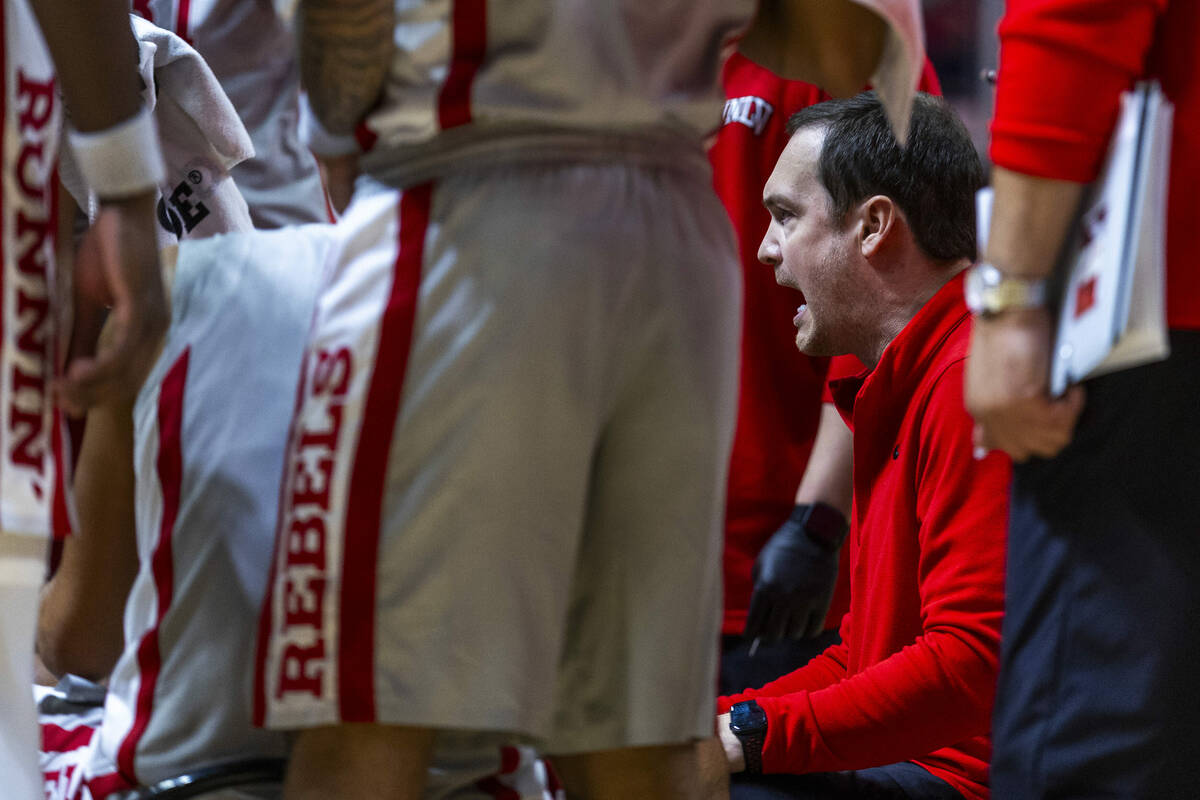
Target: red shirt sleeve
939,690
1063,65
826,669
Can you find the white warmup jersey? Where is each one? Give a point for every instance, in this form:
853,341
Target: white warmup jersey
476,80
31,500
202,139
210,425
253,55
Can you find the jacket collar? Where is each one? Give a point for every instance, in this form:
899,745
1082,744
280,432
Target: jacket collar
907,358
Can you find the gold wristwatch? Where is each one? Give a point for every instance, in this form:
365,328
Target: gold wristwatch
989,291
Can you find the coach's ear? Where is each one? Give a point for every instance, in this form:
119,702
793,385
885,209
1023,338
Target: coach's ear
879,220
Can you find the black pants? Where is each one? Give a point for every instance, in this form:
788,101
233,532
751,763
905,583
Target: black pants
1099,693
903,781
740,670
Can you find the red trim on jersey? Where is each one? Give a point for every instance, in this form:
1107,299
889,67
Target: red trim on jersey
182,20
6,164
170,478
57,739
469,31
356,644
265,617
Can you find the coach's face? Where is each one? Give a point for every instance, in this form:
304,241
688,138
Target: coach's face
808,249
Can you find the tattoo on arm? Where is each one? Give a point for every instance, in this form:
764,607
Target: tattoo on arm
345,52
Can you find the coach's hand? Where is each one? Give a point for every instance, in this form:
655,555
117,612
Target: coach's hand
794,577
116,268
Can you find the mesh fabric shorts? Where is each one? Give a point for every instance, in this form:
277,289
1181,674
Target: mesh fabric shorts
502,502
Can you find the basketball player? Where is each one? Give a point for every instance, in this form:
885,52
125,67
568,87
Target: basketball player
252,52
502,499
97,76
177,493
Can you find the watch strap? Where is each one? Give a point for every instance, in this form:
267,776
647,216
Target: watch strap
990,291
748,722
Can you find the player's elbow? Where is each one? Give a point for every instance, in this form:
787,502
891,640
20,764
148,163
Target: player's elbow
72,645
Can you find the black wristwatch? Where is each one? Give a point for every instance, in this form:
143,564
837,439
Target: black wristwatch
825,525
748,722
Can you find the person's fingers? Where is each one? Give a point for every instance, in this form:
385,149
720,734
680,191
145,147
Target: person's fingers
797,623
776,625
757,615
814,625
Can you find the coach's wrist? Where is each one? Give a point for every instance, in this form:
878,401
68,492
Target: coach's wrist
735,756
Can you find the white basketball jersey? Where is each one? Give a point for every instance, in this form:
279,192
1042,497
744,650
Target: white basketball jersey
253,54
31,500
471,74
211,423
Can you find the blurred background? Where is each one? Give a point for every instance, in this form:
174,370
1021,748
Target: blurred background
960,37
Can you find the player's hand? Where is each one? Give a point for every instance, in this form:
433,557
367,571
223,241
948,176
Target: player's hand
339,174
794,577
116,267
1007,387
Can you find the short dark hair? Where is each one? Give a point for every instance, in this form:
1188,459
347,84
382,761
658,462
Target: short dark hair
933,178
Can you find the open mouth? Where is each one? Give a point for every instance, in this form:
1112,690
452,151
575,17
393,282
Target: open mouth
800,312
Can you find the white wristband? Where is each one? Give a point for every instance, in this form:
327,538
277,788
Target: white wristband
122,160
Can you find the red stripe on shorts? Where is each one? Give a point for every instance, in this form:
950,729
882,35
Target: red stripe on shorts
469,32
170,478
356,643
265,616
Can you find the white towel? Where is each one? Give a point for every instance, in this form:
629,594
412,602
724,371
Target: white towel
202,140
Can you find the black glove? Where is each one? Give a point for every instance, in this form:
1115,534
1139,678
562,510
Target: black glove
795,574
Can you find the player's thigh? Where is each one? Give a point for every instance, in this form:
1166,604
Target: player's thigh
639,664
439,462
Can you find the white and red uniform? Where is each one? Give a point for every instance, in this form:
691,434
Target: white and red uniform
503,501
211,423
29,498
202,139
33,504
253,55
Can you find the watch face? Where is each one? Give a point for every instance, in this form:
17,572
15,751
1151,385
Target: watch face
747,717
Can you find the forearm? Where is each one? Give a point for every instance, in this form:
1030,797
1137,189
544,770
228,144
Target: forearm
81,615
345,51
1030,220
96,58
827,477
936,693
825,670
834,44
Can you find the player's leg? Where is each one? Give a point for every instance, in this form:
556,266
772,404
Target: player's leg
659,772
22,568
436,478
387,762
637,678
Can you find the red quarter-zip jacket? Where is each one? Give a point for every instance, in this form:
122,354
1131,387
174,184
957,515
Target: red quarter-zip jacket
914,678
